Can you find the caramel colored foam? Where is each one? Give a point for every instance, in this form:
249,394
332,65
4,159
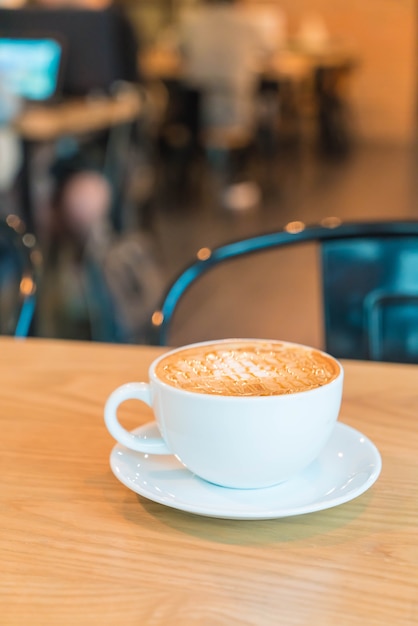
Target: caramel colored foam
256,368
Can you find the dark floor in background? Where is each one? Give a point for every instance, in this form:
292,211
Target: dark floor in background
374,182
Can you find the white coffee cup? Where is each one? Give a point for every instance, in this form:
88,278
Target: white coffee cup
234,441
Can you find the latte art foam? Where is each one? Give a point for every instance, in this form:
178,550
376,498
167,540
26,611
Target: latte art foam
247,369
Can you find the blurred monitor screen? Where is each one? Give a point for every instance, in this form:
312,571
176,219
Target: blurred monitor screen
92,42
29,67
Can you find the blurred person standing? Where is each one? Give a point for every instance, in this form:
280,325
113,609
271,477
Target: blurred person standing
97,284
223,51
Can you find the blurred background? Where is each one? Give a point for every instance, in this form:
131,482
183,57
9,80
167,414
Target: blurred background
135,133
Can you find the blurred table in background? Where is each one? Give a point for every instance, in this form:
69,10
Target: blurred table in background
294,62
49,123
79,116
311,84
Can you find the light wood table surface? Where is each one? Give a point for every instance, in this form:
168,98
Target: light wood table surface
292,64
78,548
77,116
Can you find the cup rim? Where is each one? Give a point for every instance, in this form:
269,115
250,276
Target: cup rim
218,397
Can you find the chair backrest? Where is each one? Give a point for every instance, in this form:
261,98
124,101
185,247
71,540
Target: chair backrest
369,284
19,259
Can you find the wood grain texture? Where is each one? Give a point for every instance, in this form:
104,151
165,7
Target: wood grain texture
78,548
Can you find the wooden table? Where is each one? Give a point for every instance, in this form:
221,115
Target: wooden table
311,88
77,116
293,63
78,548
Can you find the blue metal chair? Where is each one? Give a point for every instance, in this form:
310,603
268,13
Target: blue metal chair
19,260
369,284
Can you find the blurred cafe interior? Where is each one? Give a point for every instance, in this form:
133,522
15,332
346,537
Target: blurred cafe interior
139,133
274,143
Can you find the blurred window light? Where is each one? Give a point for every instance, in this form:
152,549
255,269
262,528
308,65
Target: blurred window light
157,318
331,222
29,240
27,286
295,227
204,254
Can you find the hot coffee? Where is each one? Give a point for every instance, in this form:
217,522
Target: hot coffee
245,426
247,368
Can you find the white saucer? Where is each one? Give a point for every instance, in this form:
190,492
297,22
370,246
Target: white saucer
347,467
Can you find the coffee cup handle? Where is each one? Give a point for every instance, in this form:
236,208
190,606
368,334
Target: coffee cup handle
131,391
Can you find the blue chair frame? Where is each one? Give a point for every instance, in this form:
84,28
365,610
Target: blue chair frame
370,284
25,258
